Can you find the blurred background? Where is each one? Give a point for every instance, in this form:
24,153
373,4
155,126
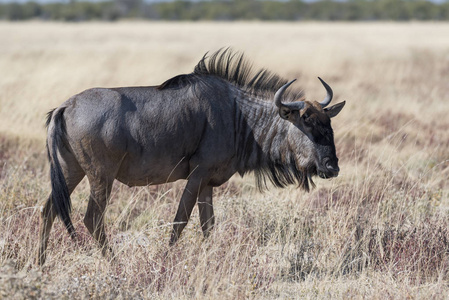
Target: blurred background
226,10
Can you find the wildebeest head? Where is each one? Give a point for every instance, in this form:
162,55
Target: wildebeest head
313,119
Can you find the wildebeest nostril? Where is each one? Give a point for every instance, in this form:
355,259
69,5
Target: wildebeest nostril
332,168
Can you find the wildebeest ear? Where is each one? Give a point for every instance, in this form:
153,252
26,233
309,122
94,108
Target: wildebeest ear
285,112
334,110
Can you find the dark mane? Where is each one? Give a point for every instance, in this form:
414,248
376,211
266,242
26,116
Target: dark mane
283,174
234,68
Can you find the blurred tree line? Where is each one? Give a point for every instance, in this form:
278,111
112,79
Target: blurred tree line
349,10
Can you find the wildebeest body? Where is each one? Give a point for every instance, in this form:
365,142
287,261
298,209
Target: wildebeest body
150,137
203,127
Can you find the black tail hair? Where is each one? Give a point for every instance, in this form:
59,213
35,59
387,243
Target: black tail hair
59,191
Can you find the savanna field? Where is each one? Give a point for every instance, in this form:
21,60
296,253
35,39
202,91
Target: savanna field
378,231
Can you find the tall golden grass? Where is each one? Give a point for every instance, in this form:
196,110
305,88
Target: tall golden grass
379,230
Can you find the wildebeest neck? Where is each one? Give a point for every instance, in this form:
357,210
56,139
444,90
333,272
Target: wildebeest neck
262,144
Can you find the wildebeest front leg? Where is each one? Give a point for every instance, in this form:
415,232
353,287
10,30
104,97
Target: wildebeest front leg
188,200
206,210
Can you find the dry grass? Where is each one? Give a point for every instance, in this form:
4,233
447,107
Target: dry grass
379,230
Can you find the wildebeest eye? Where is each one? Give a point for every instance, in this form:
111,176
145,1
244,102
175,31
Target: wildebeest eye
307,120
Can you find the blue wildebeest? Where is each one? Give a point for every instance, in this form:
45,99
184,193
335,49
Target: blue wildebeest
205,126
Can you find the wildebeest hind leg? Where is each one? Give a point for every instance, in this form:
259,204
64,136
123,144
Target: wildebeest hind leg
206,211
100,190
49,214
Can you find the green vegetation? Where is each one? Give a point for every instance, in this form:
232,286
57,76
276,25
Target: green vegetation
351,10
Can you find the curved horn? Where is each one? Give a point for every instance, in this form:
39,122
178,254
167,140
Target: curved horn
329,95
280,92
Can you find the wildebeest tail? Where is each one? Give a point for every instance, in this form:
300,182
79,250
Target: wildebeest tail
60,195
